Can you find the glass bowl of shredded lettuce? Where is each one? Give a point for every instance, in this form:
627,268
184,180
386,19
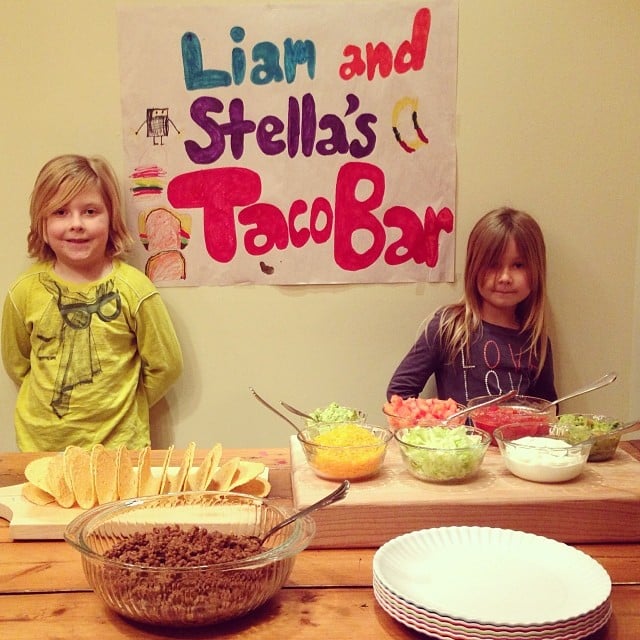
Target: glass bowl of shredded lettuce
442,453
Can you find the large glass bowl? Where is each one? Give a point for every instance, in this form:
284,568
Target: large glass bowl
187,596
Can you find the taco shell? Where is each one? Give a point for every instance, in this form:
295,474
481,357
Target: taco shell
148,484
222,476
164,472
105,474
245,471
77,473
36,495
102,475
58,486
178,479
127,480
200,478
259,487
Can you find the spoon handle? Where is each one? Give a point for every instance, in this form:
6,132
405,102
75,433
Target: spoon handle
494,400
606,379
334,496
288,407
266,404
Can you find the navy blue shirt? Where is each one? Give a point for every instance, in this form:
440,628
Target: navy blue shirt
498,362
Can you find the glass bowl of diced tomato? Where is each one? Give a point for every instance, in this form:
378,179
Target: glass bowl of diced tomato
403,413
528,411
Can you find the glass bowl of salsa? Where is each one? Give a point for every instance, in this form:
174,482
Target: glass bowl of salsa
525,410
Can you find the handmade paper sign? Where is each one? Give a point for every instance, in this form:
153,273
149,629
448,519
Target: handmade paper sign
290,143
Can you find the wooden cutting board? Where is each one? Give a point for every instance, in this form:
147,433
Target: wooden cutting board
28,521
601,505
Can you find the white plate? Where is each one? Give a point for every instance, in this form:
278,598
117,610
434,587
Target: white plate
450,630
442,626
491,576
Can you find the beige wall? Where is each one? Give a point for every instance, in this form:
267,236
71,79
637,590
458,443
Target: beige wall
548,121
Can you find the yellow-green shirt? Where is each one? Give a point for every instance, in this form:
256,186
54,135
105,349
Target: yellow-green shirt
89,358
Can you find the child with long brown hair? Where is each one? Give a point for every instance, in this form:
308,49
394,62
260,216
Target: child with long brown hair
85,336
495,338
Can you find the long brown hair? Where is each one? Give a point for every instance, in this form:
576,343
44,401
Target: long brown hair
486,245
58,182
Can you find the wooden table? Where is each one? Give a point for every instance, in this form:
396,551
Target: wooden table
44,594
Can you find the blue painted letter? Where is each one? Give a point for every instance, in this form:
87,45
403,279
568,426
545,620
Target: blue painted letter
195,77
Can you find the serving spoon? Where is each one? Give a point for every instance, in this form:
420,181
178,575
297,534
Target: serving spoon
606,379
603,381
302,414
266,404
334,496
494,400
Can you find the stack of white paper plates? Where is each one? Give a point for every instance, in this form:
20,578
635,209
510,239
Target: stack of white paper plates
483,583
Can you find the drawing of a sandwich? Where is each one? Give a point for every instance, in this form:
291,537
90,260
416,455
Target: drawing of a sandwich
164,236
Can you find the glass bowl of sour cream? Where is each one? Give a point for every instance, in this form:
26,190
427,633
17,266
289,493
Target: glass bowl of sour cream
533,453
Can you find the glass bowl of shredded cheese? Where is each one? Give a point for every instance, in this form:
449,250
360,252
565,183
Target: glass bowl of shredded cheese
345,451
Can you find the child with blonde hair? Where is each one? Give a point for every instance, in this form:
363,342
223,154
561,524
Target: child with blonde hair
85,336
495,338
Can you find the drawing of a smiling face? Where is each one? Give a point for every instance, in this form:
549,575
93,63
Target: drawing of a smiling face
159,113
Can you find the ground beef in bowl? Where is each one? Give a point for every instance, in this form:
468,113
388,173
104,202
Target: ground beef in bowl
172,546
170,576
